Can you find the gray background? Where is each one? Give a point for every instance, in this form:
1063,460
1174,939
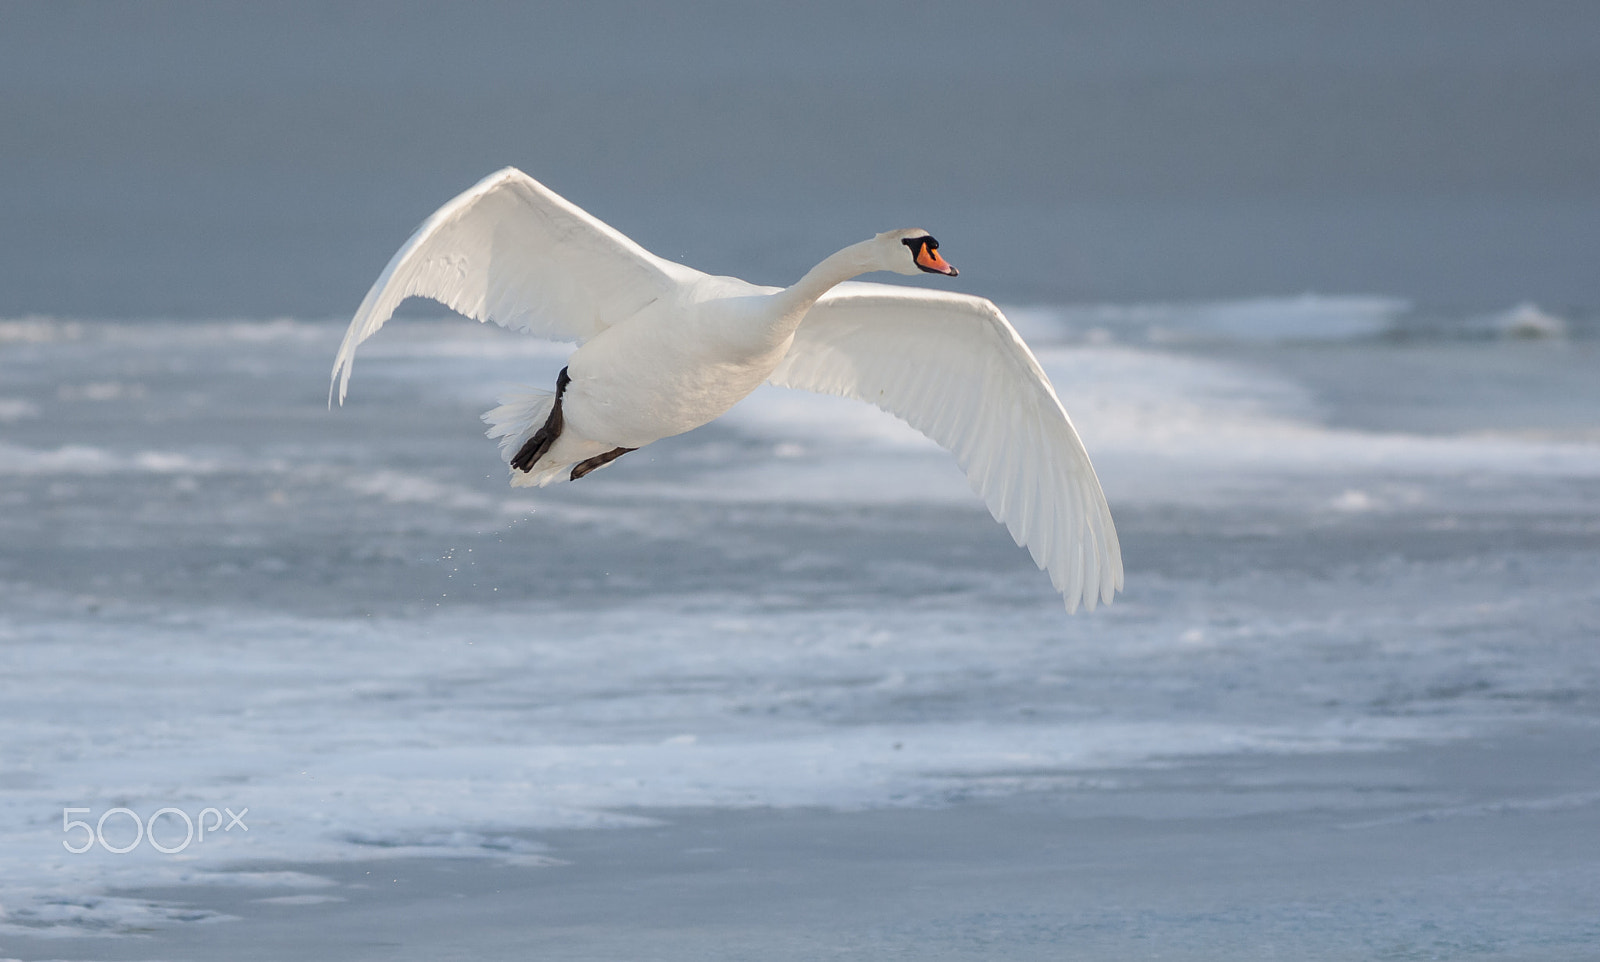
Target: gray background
180,160
1347,705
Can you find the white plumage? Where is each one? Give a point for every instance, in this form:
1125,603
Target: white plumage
666,348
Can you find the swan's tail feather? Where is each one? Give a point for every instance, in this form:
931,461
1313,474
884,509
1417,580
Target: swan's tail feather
517,417
516,420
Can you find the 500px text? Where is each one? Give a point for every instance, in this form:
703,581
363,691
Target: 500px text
145,829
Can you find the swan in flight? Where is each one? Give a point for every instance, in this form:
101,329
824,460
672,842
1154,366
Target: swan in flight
665,348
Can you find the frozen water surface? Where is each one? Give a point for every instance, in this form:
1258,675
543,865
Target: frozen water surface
1345,708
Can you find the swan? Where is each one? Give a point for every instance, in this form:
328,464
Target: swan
664,348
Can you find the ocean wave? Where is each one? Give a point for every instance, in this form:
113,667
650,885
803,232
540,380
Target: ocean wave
1306,319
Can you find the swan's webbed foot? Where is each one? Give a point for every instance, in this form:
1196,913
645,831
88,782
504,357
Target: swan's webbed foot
542,439
598,461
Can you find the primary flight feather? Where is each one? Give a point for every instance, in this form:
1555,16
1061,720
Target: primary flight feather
665,348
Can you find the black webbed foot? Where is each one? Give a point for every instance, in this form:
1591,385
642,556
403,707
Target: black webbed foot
535,447
598,461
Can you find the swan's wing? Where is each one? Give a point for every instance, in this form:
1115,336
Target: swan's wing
951,366
512,251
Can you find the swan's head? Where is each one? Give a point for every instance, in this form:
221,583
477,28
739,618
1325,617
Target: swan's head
912,251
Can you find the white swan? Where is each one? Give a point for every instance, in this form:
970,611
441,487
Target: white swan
666,348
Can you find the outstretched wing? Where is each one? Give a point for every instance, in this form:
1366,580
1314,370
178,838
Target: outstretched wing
512,251
951,366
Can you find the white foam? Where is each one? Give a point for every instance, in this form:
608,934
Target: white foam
17,409
38,329
70,459
1161,428
398,487
1529,321
1307,318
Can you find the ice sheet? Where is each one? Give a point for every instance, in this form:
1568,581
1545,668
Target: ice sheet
214,592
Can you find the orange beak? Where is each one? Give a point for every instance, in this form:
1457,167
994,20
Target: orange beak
929,260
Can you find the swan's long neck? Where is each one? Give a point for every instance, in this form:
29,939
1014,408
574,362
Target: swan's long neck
854,260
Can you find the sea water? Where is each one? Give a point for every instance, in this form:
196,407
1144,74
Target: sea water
217,593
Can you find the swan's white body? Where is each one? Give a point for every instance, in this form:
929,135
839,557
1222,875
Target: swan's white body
666,348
